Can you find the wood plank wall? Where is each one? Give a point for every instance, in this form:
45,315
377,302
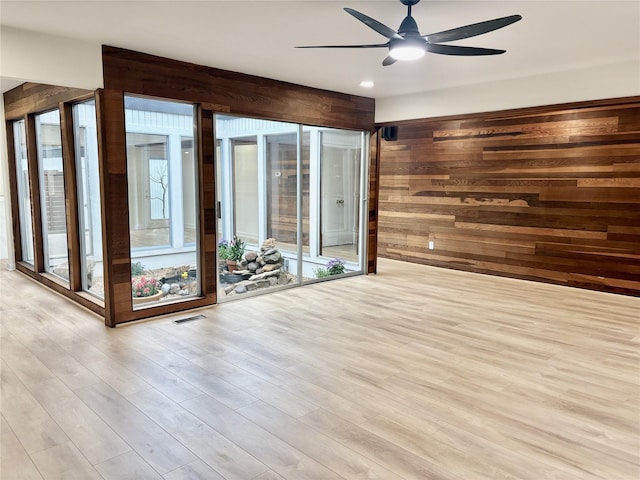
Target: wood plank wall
549,194
236,93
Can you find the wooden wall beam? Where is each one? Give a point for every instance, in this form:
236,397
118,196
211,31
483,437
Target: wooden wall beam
35,97
207,205
115,204
13,191
232,92
71,197
372,213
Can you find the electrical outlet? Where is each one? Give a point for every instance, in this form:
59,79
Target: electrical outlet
431,244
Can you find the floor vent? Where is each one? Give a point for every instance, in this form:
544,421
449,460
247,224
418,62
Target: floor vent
189,319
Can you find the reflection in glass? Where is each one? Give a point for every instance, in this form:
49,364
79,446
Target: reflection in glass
245,188
340,159
24,192
189,183
148,174
282,190
88,185
51,173
163,206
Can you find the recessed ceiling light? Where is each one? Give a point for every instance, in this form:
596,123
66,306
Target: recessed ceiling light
366,84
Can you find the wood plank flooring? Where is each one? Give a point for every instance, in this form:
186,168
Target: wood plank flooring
414,373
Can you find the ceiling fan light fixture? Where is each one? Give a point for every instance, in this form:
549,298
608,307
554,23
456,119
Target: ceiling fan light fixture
407,51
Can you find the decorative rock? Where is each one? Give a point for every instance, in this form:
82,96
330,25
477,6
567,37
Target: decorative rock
271,251
251,256
165,288
273,257
175,288
183,292
271,267
249,285
260,260
245,286
259,271
265,275
253,266
264,283
268,244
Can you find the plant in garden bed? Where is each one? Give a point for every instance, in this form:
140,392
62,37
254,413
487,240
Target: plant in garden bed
335,266
232,251
236,249
144,287
137,269
223,249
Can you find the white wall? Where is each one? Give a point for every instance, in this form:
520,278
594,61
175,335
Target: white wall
6,235
35,57
27,56
605,81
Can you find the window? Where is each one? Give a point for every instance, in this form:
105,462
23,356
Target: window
88,186
24,192
51,175
163,206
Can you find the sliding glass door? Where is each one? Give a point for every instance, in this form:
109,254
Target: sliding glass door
290,200
88,188
340,161
51,175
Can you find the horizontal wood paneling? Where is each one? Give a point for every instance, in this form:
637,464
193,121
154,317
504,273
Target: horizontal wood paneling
232,92
549,194
36,97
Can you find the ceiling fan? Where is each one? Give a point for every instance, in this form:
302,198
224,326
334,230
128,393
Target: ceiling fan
408,44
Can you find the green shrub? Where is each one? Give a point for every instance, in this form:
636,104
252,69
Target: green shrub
137,269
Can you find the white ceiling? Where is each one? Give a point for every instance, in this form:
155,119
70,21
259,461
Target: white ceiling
258,37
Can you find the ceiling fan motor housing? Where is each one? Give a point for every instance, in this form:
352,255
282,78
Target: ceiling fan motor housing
408,26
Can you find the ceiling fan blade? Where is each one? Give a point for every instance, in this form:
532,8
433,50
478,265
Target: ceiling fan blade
376,45
471,30
374,24
463,51
388,61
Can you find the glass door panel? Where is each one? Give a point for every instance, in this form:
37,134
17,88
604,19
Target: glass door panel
340,159
282,190
51,175
87,164
245,188
189,181
24,192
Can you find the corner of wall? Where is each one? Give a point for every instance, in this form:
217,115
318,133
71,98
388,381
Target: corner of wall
39,58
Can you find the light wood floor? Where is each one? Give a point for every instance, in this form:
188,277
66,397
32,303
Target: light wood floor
416,373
